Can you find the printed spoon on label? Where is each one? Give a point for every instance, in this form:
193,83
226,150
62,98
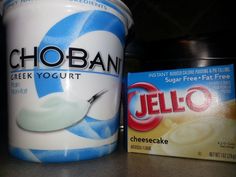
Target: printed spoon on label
56,113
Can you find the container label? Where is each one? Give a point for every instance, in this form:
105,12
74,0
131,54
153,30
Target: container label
64,78
183,112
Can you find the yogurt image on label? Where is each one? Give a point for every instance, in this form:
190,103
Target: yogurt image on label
53,113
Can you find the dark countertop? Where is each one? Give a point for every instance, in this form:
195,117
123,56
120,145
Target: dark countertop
118,164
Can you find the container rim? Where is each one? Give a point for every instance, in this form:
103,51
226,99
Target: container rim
117,5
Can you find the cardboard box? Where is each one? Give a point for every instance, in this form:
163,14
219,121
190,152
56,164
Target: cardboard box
187,113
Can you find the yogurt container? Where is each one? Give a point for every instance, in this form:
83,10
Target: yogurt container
64,61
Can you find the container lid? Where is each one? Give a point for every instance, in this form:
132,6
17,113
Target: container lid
116,5
125,11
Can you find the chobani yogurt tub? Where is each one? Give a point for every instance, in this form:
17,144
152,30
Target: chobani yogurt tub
64,62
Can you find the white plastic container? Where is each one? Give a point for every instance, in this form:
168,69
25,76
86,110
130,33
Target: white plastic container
64,77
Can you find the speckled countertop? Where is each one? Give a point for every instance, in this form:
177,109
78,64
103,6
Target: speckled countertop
118,164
